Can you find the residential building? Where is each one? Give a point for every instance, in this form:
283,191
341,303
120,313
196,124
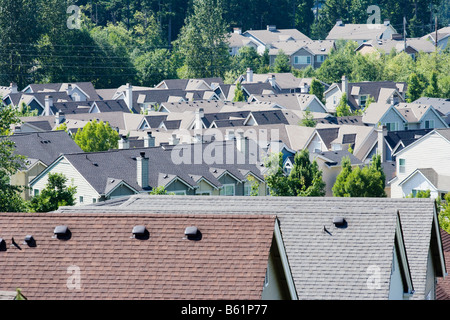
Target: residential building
412,46
443,36
361,32
423,165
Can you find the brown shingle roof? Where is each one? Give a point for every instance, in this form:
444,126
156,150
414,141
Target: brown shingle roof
443,284
229,262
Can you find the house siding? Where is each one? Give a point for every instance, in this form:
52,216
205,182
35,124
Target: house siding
238,187
418,182
121,192
391,117
179,186
438,122
432,151
74,179
332,98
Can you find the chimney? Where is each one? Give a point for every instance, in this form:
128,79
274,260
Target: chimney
123,142
149,140
13,87
173,140
381,133
304,88
249,75
142,170
48,105
199,114
129,96
69,90
198,138
339,23
272,80
271,28
59,117
345,85
237,30
387,22
241,141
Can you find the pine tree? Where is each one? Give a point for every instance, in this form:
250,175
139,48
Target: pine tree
238,93
415,88
343,109
282,63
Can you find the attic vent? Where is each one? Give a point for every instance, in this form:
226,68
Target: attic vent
339,222
192,233
29,240
62,232
140,232
2,244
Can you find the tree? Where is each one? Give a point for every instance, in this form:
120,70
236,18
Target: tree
282,63
96,136
444,213
433,89
343,109
317,89
238,93
203,41
366,182
10,164
420,194
305,178
160,191
415,88
275,178
55,194
307,120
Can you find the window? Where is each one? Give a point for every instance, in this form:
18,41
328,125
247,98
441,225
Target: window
247,189
320,58
227,190
392,126
302,60
179,192
81,199
429,124
94,200
402,165
36,192
362,101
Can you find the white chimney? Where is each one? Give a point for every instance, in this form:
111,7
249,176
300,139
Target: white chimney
59,117
47,106
304,88
339,22
381,149
345,85
129,96
199,114
272,80
249,75
271,27
229,135
237,30
13,87
149,140
241,141
69,90
198,138
123,142
142,170
173,140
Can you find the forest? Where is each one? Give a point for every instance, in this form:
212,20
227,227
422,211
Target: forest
112,42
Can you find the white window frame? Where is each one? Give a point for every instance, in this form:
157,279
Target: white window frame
298,59
390,124
178,192
81,199
429,124
401,166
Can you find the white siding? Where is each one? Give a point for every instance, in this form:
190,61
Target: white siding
418,182
432,151
396,289
74,178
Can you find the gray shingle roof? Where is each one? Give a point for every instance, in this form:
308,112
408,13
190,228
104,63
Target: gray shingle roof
324,266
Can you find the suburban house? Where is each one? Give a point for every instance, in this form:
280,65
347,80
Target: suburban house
40,150
91,256
423,165
442,106
292,101
302,53
361,32
358,93
395,141
236,41
403,116
443,35
358,248
78,91
265,38
201,168
412,46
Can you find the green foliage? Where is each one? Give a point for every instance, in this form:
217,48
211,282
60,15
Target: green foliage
317,89
254,191
238,93
343,109
308,119
96,136
160,191
420,194
304,180
444,213
282,63
356,182
55,194
415,87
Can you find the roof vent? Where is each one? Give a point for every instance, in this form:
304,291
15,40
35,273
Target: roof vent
62,232
192,233
2,244
29,240
339,222
140,232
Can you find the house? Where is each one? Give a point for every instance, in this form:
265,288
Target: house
77,91
205,167
265,38
442,106
294,101
361,33
40,150
412,46
395,141
423,165
443,35
302,53
358,248
152,256
359,93
41,103
236,41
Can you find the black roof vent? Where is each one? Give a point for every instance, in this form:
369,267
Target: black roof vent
29,240
339,222
2,244
140,232
192,233
62,232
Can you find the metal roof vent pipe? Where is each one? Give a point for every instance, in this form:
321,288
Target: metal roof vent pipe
62,233
2,244
340,222
140,232
30,241
192,233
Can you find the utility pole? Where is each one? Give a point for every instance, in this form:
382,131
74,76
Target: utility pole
436,33
404,34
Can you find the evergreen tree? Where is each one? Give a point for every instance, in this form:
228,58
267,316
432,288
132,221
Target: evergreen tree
415,88
282,63
96,136
238,93
317,89
307,120
343,109
305,178
433,90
